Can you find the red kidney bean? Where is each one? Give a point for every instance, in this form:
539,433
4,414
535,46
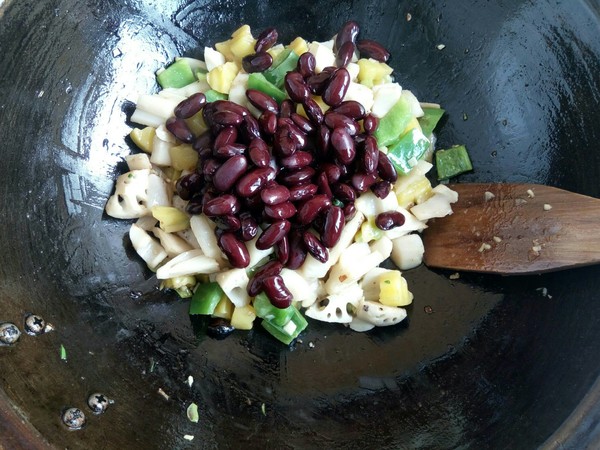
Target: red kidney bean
204,154
286,109
297,250
273,234
349,211
253,181
296,87
362,182
195,204
209,167
282,250
344,169
190,106
250,128
258,152
227,223
306,64
262,101
297,160
235,250
370,155
389,219
296,176
249,228
275,194
342,143
303,123
268,123
270,269
266,40
382,188
337,120
323,140
229,172
313,111
226,105
278,293
315,247
302,192
386,169
203,141
332,171
226,136
347,33
283,144
178,128
296,134
189,185
337,87
280,211
257,62
372,49
323,185
222,206
334,224
227,118
351,108
311,208
343,192
318,82
370,123
345,54
230,150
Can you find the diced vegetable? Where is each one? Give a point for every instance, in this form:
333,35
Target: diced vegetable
196,123
372,72
265,310
183,157
177,75
260,83
452,162
287,333
243,317
408,251
285,62
206,298
407,151
393,123
143,138
393,289
430,120
299,46
182,285
224,308
221,77
171,219
212,96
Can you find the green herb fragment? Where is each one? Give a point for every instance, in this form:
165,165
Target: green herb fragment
387,282
63,352
192,413
452,162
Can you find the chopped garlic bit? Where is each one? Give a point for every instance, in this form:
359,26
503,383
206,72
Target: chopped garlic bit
163,394
311,345
190,381
530,193
547,207
484,247
536,248
440,46
408,18
497,239
454,276
487,195
188,437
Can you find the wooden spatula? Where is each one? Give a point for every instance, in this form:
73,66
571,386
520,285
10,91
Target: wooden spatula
515,229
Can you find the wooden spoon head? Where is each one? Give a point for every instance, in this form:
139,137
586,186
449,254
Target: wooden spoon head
518,229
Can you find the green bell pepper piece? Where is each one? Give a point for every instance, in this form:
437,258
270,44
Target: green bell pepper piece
430,120
393,123
285,62
212,96
205,298
452,162
265,310
260,83
281,334
177,75
412,145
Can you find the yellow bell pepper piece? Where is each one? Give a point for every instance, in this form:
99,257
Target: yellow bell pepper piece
183,157
221,77
299,46
171,219
224,308
143,138
393,289
243,317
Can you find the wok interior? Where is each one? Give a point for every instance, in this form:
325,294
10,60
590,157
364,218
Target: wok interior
496,364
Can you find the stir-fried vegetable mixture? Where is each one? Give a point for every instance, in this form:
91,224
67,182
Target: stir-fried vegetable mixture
275,179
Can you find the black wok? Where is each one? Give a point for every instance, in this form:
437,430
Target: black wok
491,363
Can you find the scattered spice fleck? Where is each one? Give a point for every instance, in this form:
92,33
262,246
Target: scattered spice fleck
484,247
63,352
530,193
428,310
190,381
440,46
263,409
40,94
387,282
487,195
454,276
311,345
465,117
192,413
188,437
408,17
163,394
547,207
543,290
343,278
497,239
152,365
